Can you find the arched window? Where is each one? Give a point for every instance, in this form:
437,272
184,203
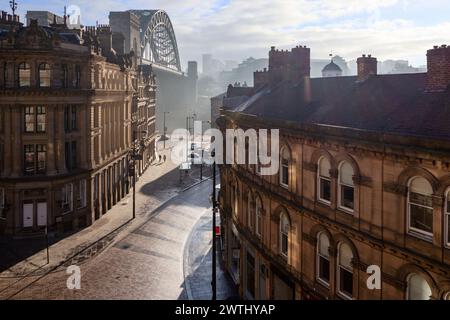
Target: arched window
44,75
249,211
284,235
418,288
324,180
24,75
258,223
447,218
420,207
346,187
285,162
345,271
447,296
323,259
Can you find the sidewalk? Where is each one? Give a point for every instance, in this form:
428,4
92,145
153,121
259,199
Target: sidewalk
156,186
198,265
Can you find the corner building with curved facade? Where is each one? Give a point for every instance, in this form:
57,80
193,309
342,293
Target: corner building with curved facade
363,185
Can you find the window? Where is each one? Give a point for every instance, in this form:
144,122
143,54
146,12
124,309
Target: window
29,119
285,159
323,259
81,197
77,76
250,276
5,75
235,201
345,271
67,198
420,207
40,119
258,217
324,180
417,288
447,218
249,211
35,159
70,118
24,75
64,76
346,187
71,155
95,182
35,119
284,235
44,75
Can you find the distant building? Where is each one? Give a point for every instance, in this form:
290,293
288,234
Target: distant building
331,70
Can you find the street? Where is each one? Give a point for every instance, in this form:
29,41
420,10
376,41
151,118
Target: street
146,263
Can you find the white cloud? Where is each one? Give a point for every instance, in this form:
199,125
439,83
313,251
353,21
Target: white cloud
243,28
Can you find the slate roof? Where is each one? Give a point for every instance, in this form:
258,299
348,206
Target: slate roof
395,104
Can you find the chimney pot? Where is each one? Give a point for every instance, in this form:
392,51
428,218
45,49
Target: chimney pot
435,47
367,66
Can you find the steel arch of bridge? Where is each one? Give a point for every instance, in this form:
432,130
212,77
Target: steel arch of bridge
157,32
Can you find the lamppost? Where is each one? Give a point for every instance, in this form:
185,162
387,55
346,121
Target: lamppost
132,168
214,249
13,5
165,129
203,151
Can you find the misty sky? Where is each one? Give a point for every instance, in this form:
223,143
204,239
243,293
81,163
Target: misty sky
236,29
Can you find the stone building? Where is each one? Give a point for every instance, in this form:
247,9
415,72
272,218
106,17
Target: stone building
71,109
363,185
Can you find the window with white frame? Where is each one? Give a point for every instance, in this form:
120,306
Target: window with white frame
345,271
284,235
285,161
249,211
346,187
324,180
258,222
81,196
67,198
447,218
417,288
420,207
24,75
44,75
323,259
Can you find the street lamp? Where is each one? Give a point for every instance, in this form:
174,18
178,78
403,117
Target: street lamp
214,249
203,151
165,129
132,166
13,6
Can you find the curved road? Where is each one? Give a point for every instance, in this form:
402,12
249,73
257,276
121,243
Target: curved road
146,263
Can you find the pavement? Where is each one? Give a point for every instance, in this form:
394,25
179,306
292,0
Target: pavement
198,264
142,259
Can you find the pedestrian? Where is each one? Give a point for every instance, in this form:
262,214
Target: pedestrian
165,158
159,158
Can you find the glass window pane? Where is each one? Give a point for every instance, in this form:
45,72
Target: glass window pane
41,119
325,189
324,244
285,175
421,185
284,244
346,282
324,269
418,288
44,75
347,197
24,75
345,256
346,174
324,168
421,218
41,158
29,119
29,159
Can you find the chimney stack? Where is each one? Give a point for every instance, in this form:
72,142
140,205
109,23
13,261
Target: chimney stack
438,76
367,66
